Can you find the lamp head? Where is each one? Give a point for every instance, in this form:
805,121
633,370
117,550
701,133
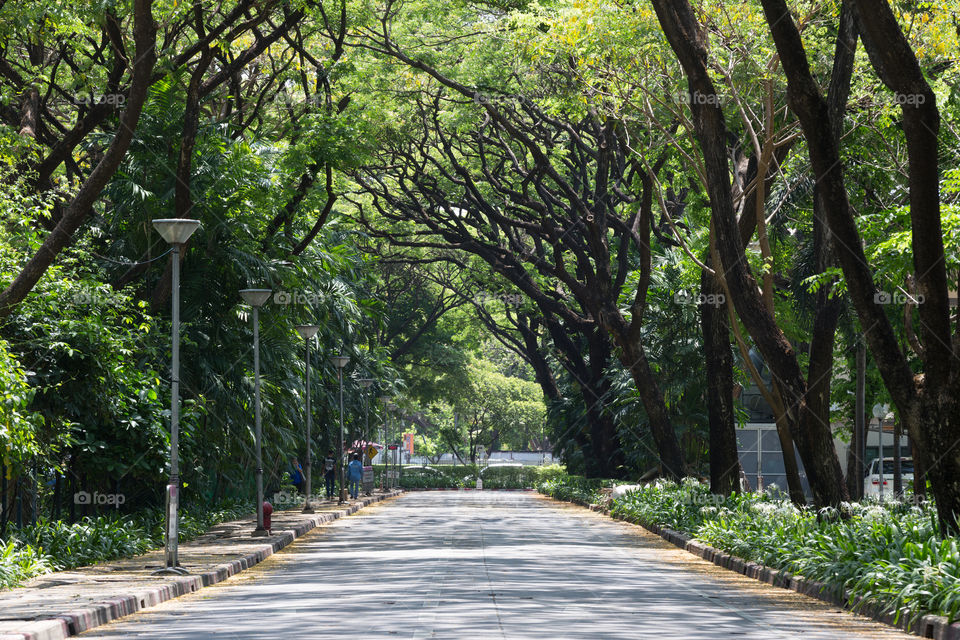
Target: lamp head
176,230
365,382
340,361
255,297
307,331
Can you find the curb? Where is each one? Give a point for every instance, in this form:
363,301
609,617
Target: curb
927,626
77,621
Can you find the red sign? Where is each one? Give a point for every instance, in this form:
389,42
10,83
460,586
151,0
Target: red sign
393,447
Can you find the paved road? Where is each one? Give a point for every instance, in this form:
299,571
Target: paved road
488,565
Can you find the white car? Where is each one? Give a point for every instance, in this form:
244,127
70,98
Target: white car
872,483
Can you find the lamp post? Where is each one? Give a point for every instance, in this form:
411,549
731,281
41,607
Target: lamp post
880,412
391,407
307,331
386,415
365,383
176,231
256,299
340,362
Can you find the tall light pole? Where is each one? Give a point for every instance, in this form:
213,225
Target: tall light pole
386,415
340,362
256,299
880,412
365,383
307,331
391,406
176,231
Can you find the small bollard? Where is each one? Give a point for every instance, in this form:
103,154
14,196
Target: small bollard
267,512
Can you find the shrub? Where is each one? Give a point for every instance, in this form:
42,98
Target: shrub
573,488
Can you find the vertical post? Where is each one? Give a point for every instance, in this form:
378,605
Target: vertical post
860,418
342,450
897,475
256,298
385,451
260,530
759,459
880,464
308,508
176,231
172,531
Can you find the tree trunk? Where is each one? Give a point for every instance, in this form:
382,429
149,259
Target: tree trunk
789,450
937,430
724,459
661,428
813,439
927,404
919,473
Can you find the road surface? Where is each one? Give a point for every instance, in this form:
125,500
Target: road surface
464,564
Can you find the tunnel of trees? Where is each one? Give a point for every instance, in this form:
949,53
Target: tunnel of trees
574,226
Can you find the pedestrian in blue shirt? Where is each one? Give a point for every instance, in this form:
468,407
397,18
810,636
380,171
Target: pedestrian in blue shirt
355,475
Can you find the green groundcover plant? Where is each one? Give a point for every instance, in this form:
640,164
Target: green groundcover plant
52,546
888,554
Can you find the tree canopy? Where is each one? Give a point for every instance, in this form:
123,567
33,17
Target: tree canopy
571,225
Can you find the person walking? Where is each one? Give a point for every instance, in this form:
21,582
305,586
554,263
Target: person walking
329,473
355,475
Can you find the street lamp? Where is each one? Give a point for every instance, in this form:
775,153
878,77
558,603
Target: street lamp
176,231
386,404
307,331
256,299
340,362
365,383
880,412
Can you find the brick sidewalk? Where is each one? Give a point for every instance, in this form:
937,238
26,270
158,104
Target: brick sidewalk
65,603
